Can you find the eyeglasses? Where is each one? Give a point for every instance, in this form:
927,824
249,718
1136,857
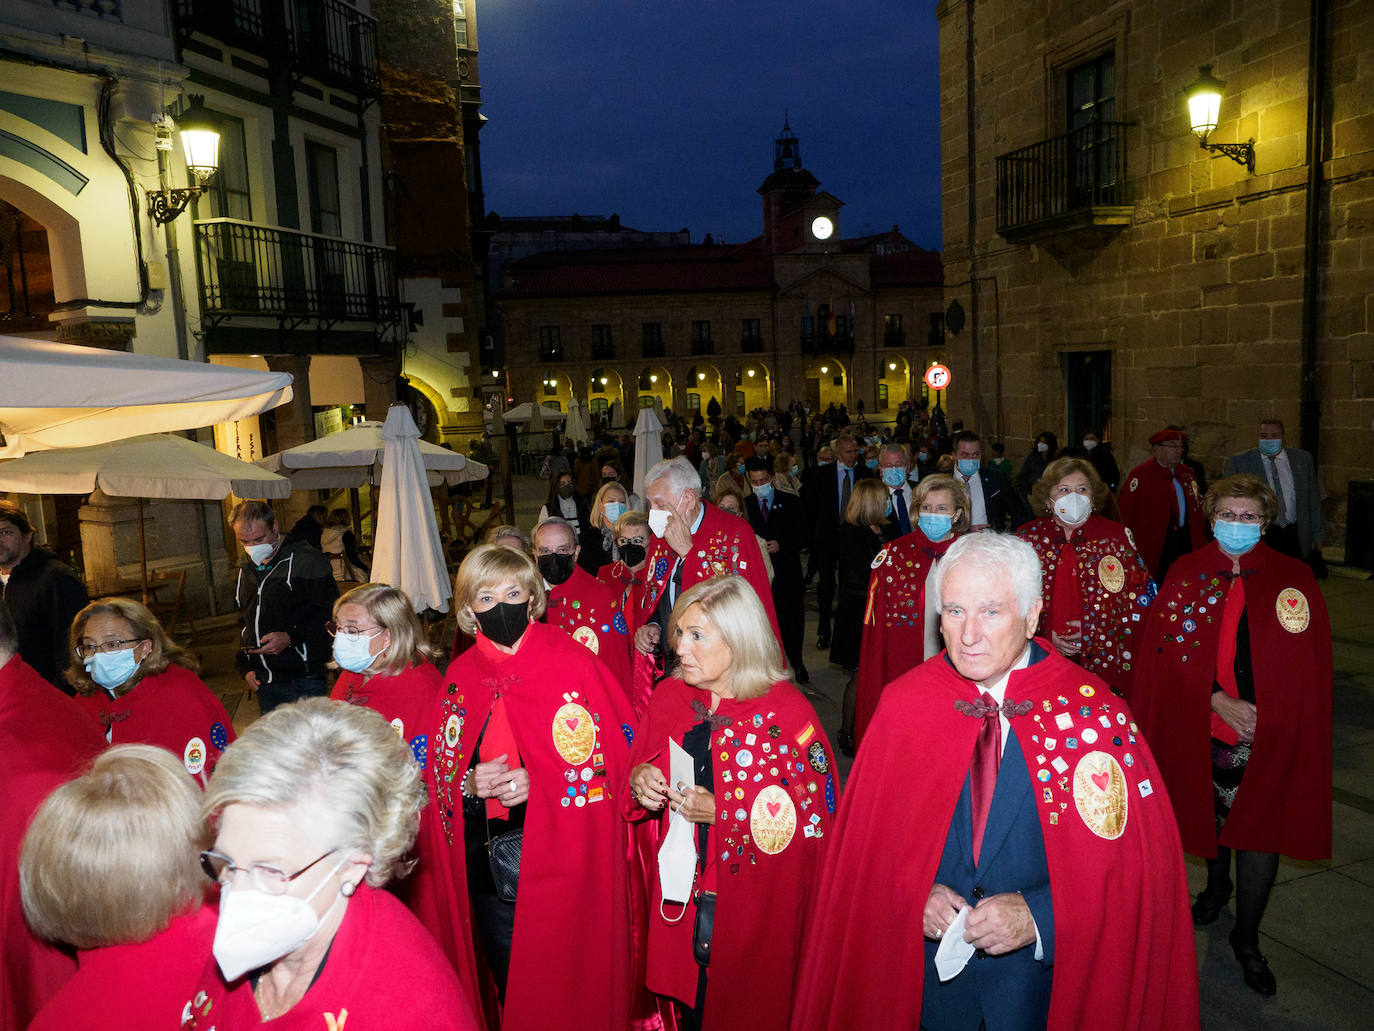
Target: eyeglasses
85,651
351,633
622,541
1239,517
267,879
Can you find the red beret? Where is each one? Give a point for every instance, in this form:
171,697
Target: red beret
1166,435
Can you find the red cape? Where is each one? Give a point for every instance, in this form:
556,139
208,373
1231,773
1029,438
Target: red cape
764,892
893,630
1284,802
572,932
407,700
589,612
1124,956
1146,500
383,969
173,710
1115,590
134,987
45,740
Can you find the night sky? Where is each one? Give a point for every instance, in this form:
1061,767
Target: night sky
665,111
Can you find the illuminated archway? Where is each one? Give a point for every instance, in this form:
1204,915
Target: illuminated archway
894,381
703,384
554,389
604,389
655,383
753,387
827,382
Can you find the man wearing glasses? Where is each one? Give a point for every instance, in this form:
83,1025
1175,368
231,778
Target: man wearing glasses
1162,506
43,594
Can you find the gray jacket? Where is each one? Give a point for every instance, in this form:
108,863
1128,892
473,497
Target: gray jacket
1306,489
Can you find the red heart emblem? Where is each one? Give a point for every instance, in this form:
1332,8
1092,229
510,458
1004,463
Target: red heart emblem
773,808
1111,567
1102,780
1292,603
572,722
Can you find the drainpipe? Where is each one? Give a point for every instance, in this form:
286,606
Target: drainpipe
1309,403
975,323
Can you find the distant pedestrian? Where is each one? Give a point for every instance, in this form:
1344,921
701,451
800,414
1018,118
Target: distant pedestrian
310,526
1296,529
1161,503
43,594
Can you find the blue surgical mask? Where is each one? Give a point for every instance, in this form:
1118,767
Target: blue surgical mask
1270,447
923,456
763,491
872,463
1236,538
353,652
740,468
968,466
795,470
935,525
614,510
110,669
894,476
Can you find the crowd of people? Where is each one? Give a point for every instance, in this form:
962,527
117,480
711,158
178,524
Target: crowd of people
615,808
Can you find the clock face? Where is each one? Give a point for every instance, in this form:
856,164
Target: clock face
822,227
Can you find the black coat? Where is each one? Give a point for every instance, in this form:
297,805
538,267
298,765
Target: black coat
44,595
822,496
295,594
787,523
1004,505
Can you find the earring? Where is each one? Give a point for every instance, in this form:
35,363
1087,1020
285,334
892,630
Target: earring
348,888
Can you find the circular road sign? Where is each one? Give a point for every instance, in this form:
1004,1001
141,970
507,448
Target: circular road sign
937,377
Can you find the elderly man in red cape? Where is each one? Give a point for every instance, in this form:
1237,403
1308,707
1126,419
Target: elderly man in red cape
1160,501
45,740
1004,831
580,605
693,541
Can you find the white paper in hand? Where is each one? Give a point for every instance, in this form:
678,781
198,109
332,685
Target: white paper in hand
681,768
954,953
677,856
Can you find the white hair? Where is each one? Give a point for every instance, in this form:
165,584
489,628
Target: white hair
1003,553
678,472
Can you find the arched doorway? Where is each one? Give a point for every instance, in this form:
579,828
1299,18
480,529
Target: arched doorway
655,383
555,390
703,385
604,389
753,387
827,383
894,381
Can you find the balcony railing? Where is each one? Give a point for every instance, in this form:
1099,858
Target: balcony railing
603,351
328,40
250,269
823,343
751,344
703,345
1076,179
651,349
894,338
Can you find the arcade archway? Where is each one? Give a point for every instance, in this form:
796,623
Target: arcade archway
655,383
703,384
753,387
894,381
555,390
827,383
604,389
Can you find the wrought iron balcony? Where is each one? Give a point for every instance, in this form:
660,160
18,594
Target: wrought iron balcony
824,343
1068,182
751,345
651,349
328,40
603,351
248,269
702,346
894,338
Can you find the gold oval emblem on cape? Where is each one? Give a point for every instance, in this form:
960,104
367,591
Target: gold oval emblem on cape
878,559
773,820
574,733
586,636
1294,613
1112,573
453,730
1099,792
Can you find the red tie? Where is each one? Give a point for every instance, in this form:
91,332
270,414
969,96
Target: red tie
987,760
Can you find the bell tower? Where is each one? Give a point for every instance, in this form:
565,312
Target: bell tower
796,214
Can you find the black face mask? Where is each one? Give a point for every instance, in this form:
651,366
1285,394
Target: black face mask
505,622
555,568
565,491
610,479
633,554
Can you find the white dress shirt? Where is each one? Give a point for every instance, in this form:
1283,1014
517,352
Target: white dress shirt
978,514
1285,484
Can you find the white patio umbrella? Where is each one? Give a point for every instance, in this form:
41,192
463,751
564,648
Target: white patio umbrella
616,416
407,551
156,465
524,412
648,446
61,395
575,432
355,456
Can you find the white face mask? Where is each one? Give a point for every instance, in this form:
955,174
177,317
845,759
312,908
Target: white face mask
1073,509
658,521
1042,447
1088,445
260,553
255,928
677,862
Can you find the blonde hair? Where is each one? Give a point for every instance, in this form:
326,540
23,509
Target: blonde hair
727,487
487,566
145,628
939,481
1243,485
394,613
733,608
598,514
351,774
631,520
1040,501
112,856
506,530
867,503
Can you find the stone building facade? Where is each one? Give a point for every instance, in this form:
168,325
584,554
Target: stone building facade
1114,272
798,313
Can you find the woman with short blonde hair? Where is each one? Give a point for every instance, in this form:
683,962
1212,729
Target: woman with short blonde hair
110,865
960,506
488,565
759,807
598,539
142,687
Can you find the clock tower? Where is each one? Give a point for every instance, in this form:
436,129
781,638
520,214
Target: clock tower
797,214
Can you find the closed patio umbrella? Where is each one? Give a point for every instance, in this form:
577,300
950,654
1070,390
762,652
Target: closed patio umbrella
407,551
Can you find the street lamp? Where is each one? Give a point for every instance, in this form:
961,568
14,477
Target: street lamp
1204,104
200,143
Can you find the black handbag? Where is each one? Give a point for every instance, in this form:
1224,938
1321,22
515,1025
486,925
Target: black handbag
503,857
704,927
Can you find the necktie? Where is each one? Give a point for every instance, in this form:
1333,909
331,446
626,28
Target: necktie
844,495
764,506
1175,513
1281,517
899,509
987,760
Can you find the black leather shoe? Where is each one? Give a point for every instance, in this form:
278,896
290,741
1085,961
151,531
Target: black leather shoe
823,641
1254,966
1208,906
803,677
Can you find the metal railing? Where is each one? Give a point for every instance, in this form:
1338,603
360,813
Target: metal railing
251,269
894,338
751,344
329,40
1081,169
703,346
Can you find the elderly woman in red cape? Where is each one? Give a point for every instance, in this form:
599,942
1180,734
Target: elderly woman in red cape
1003,807
142,687
1234,688
900,617
742,842
1096,588
527,893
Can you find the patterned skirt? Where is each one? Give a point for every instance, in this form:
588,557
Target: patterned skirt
1228,767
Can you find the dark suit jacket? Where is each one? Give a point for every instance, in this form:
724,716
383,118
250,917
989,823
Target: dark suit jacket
1306,490
1003,503
787,524
1010,991
823,502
